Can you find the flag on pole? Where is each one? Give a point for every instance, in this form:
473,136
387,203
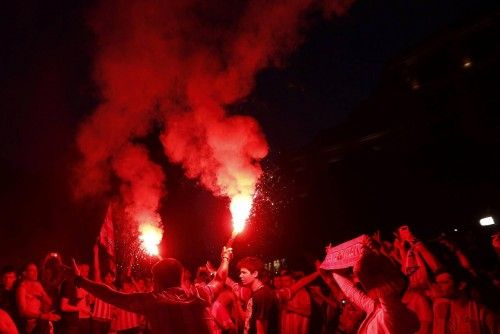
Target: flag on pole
107,237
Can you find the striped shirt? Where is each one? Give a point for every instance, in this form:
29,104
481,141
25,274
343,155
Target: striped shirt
125,320
102,310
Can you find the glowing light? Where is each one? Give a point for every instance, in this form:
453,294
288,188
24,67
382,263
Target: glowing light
487,221
151,237
467,62
415,85
240,210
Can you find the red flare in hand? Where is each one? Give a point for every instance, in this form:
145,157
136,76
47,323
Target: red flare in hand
240,207
154,65
151,237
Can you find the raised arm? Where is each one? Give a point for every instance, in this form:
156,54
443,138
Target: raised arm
132,302
355,295
288,293
461,257
332,285
219,280
426,255
306,280
229,282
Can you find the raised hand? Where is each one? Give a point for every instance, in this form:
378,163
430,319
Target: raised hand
227,253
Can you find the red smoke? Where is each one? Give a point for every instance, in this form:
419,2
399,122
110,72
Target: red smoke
179,64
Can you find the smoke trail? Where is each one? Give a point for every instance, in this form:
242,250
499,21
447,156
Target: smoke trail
180,64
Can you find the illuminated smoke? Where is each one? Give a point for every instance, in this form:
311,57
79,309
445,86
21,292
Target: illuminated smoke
178,65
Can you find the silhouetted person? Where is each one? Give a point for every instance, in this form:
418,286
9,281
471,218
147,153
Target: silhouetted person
168,308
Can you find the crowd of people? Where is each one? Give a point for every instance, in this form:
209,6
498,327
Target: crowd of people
403,286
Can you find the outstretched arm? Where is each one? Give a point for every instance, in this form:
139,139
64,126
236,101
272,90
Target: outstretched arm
288,293
356,296
132,302
229,282
428,257
303,282
219,280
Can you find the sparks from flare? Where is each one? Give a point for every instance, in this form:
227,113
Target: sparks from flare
151,237
240,207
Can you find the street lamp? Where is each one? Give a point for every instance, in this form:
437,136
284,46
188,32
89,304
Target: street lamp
487,221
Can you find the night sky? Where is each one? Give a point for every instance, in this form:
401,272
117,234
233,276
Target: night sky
47,91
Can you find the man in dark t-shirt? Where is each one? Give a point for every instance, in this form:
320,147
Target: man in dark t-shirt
262,314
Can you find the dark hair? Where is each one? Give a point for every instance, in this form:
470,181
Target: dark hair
252,264
8,269
457,274
29,263
167,273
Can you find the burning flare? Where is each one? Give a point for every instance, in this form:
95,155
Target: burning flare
240,207
151,237
155,66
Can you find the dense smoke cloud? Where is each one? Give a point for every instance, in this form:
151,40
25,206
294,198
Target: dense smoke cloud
179,64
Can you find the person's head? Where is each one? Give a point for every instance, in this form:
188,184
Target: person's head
449,284
128,285
379,277
251,269
404,233
202,275
286,279
9,277
84,269
109,277
30,272
52,261
167,273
